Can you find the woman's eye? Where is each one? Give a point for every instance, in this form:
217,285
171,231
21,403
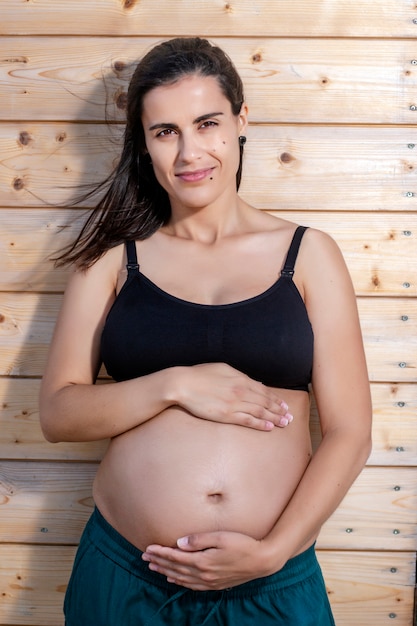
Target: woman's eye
208,124
165,132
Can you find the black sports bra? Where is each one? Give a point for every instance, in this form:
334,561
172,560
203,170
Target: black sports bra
268,337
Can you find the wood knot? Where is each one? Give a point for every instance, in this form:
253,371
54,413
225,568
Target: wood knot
129,4
18,184
16,60
2,319
375,281
119,66
121,100
324,80
228,7
286,157
61,137
257,57
25,138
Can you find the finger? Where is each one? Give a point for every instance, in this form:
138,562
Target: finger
199,541
259,418
267,399
167,557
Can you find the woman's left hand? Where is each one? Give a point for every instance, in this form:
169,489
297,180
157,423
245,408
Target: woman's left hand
208,561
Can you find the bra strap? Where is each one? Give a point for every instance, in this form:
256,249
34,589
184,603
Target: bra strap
288,269
132,265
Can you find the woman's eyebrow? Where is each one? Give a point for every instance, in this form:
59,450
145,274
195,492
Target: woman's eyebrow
207,116
200,118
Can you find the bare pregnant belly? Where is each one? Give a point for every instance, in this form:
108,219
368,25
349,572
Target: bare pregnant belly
177,474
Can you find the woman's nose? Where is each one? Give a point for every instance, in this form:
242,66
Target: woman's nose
189,147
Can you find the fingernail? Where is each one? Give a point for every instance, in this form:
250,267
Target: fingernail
283,421
289,417
182,542
284,406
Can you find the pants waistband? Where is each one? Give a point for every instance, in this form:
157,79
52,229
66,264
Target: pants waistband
117,548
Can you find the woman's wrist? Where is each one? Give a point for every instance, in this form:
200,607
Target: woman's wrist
275,554
173,386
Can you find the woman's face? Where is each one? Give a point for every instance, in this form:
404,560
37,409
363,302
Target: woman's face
192,138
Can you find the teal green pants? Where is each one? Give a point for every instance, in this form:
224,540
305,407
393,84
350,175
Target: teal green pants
110,585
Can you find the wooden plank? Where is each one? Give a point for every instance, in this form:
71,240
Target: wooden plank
365,588
286,80
394,426
20,433
33,581
380,18
392,355
50,503
330,167
285,167
61,157
388,325
378,513
28,240
380,252
368,588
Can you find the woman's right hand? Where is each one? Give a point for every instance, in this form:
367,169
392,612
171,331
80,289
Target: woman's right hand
220,393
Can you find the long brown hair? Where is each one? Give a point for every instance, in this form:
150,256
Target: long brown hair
134,205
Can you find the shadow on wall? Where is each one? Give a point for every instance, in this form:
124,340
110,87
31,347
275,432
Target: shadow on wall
45,488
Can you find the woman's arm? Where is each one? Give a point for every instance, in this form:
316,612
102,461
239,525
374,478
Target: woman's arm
73,408
341,388
340,382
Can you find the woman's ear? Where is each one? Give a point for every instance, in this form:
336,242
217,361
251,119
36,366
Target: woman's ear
243,119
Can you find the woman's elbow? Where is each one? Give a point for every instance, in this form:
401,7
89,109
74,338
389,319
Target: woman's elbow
47,427
366,447
48,418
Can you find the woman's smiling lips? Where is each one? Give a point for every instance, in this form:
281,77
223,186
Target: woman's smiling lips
195,176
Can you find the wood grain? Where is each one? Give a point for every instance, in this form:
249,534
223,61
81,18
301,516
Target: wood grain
308,168
380,254
365,588
267,18
288,80
394,426
27,321
50,503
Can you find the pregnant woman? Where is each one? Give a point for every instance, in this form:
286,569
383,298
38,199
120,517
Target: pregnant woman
215,321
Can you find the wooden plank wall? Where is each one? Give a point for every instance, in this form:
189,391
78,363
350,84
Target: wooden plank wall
333,143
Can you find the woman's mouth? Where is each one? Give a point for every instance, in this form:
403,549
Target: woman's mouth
195,176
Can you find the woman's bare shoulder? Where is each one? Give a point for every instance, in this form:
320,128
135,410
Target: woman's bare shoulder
105,270
320,250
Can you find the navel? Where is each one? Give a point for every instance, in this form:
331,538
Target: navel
216,497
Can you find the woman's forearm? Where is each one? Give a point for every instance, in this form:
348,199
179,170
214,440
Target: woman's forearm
331,472
87,412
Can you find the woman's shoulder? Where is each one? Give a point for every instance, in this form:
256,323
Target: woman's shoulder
321,264
320,246
105,271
